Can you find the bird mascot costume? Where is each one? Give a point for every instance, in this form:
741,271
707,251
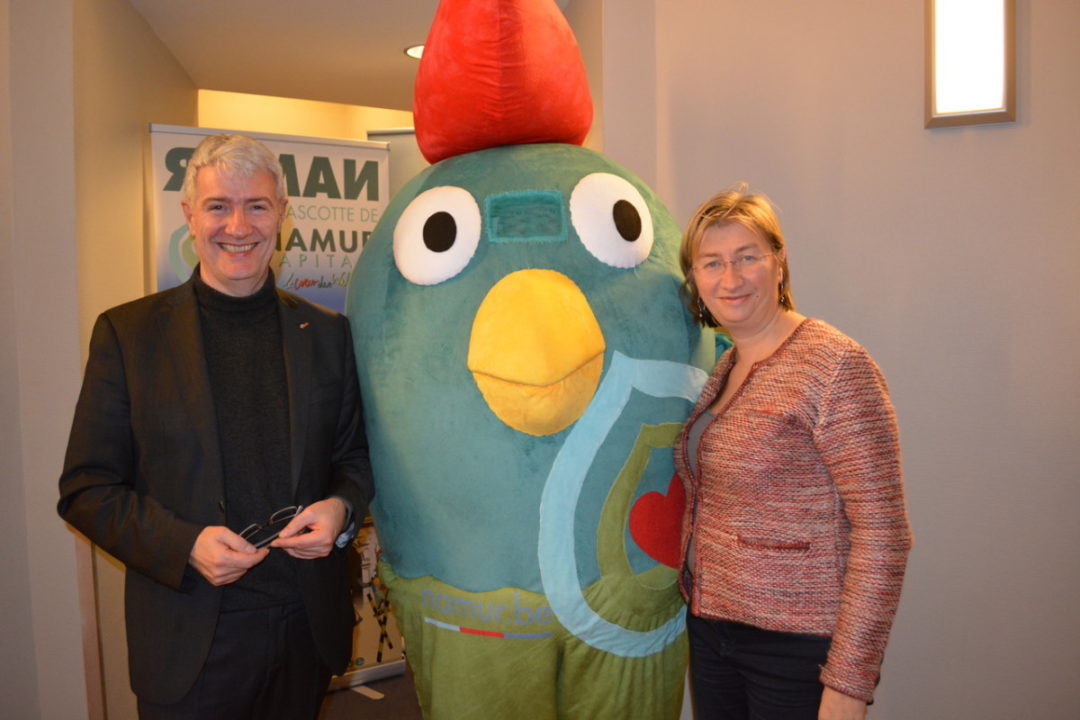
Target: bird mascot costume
526,361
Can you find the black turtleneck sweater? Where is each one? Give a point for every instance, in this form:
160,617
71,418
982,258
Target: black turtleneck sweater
245,359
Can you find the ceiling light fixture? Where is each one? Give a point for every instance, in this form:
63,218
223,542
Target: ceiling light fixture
415,51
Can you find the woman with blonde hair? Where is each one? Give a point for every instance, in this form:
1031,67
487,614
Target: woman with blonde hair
795,537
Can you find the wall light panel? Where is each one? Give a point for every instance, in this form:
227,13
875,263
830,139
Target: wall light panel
970,62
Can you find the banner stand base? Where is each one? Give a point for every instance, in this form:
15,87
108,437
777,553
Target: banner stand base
367,675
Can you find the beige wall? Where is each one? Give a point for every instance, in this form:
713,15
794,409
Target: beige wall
124,80
951,254
629,86
289,116
42,663
18,673
586,19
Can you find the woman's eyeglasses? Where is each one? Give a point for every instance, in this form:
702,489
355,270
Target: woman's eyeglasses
716,266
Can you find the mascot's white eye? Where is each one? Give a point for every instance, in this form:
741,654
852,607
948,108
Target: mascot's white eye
437,235
612,220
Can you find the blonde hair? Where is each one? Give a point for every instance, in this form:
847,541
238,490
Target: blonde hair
732,206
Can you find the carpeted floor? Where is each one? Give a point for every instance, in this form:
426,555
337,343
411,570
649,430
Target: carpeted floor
398,703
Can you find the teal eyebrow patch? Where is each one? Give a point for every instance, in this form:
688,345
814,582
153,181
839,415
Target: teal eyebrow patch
531,216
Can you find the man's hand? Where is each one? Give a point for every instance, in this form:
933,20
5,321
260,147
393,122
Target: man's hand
312,533
221,556
835,705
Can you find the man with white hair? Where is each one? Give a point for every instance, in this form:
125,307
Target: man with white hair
218,451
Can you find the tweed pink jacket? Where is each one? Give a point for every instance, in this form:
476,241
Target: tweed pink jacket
797,512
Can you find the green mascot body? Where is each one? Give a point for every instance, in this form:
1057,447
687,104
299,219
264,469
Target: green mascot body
526,361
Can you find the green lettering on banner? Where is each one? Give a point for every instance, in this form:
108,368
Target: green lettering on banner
176,163
322,242
347,245
321,179
295,240
368,176
292,182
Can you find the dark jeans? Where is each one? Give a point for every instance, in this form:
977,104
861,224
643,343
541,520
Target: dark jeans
263,665
740,672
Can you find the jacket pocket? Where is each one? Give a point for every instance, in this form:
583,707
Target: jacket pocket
771,544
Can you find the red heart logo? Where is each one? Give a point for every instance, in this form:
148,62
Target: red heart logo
655,522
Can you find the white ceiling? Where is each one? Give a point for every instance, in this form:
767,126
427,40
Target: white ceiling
344,51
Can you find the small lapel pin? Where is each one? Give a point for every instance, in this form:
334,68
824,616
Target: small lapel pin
304,325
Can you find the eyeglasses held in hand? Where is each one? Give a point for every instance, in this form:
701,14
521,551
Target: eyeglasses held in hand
716,266
262,535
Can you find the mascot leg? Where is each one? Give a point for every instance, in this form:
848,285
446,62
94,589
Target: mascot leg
477,655
503,654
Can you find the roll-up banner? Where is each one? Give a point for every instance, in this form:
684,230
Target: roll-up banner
337,191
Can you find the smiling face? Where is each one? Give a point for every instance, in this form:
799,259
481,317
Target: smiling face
742,299
234,219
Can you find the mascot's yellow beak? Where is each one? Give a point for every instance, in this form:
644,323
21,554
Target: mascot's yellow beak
536,351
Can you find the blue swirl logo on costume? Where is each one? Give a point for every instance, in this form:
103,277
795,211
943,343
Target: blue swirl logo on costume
558,566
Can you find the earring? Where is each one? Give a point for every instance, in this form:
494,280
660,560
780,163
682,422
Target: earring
703,315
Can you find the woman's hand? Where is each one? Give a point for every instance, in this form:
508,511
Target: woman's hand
835,705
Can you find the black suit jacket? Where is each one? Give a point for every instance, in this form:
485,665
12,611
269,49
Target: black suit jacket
143,475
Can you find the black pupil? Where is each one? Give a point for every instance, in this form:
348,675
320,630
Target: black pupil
440,231
627,220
